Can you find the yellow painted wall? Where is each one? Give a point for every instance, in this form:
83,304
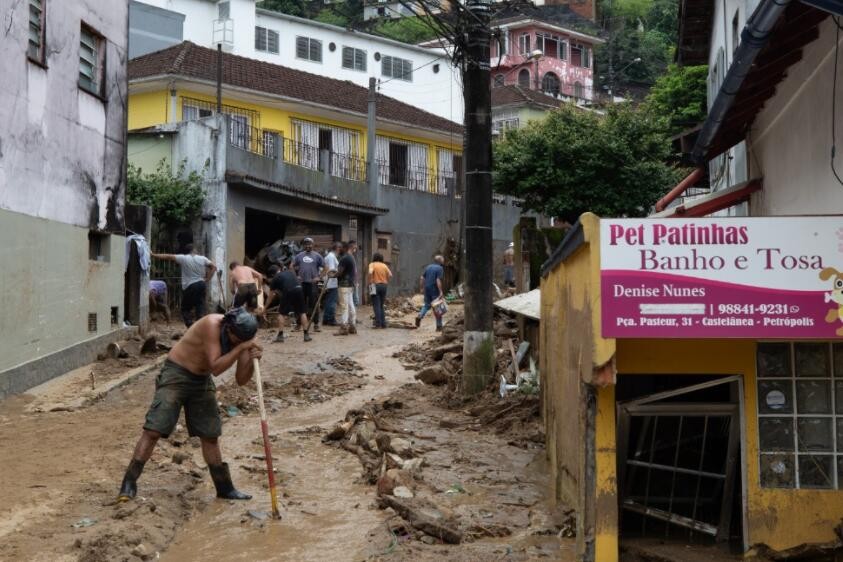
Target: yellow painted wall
776,517
572,356
148,109
151,108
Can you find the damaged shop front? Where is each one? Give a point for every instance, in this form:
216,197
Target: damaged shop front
694,391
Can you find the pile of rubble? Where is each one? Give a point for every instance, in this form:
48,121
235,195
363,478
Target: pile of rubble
440,360
391,461
301,388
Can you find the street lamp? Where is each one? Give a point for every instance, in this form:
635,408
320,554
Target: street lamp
535,56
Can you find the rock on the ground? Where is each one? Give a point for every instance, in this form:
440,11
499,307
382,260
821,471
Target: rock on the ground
179,457
150,344
434,374
140,551
402,492
401,447
392,479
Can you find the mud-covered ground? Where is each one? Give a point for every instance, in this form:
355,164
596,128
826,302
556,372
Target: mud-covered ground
61,469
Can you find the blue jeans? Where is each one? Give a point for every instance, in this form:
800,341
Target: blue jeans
378,302
331,297
429,298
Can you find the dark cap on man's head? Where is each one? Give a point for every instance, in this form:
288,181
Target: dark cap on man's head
243,324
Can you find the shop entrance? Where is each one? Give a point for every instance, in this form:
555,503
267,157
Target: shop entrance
679,458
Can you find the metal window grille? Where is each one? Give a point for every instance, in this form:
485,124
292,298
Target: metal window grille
266,40
354,59
272,41
260,38
89,62
35,50
394,67
194,109
308,48
92,321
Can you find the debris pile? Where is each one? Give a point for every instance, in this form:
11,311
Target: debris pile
440,360
301,388
393,462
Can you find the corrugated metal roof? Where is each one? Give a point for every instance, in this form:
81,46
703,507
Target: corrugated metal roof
525,304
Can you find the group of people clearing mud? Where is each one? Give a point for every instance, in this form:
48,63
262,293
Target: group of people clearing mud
213,343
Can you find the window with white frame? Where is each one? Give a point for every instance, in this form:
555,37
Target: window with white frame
308,48
91,60
37,20
550,45
394,67
354,59
800,414
524,44
403,163
580,55
266,40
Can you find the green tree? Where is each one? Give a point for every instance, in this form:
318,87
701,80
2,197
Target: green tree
175,198
637,29
290,7
578,160
680,96
414,29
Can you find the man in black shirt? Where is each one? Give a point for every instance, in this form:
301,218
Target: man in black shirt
287,287
346,275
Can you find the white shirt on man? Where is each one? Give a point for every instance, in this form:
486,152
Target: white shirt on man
331,263
193,268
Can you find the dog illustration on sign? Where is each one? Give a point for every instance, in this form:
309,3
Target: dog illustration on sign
835,296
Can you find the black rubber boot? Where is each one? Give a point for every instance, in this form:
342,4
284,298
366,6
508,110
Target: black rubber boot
129,487
307,336
222,482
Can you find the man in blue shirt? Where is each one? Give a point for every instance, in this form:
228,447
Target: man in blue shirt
430,284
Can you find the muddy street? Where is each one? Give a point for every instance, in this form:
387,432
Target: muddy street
62,459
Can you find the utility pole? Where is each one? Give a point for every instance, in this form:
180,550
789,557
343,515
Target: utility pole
478,341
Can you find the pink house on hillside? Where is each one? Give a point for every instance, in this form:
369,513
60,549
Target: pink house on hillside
543,56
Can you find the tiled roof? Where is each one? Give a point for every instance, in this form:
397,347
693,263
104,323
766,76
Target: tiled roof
192,61
513,94
561,15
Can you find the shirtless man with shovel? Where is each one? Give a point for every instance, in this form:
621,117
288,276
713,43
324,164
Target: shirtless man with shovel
211,345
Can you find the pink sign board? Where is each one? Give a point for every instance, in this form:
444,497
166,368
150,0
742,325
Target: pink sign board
751,277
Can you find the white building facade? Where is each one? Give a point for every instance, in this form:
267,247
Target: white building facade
62,185
418,76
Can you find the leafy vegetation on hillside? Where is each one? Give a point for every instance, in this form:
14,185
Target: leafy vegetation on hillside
637,29
578,160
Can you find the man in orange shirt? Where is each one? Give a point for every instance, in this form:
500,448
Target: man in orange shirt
379,276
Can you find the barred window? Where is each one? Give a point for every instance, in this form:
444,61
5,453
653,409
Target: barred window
354,59
395,67
308,48
266,40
